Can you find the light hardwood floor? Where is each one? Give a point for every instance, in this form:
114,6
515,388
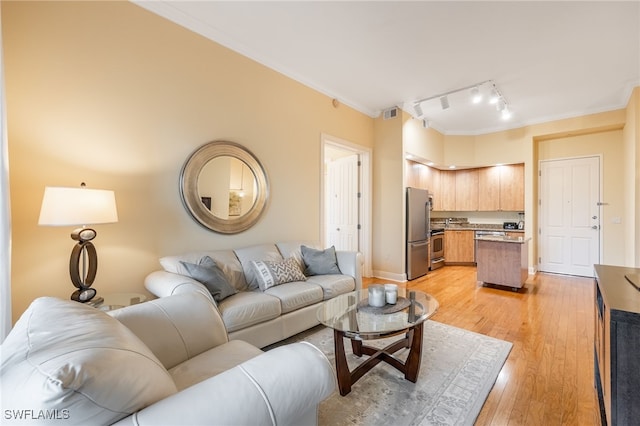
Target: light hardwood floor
548,377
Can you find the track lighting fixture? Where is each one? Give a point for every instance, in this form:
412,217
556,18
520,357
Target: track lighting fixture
495,96
506,113
476,96
444,102
418,109
476,92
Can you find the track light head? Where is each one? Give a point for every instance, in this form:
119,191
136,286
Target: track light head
444,102
506,113
476,96
494,97
418,110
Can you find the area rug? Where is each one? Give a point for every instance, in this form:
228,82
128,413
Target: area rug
457,373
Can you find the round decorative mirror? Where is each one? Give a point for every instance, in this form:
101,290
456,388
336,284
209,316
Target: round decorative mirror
224,187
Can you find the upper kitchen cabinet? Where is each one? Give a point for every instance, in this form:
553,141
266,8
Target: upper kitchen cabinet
447,192
512,187
502,188
432,184
466,190
418,175
497,188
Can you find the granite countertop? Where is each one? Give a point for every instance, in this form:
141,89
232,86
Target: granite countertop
505,239
466,226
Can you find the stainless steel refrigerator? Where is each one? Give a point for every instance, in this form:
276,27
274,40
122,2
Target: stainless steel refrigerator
418,207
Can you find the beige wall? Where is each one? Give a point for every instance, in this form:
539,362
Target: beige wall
388,198
631,138
110,94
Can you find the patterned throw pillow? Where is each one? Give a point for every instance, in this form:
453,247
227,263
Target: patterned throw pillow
270,273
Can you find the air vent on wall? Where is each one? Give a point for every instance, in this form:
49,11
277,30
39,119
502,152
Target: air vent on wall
390,113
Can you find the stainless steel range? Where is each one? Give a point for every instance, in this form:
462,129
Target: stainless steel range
437,248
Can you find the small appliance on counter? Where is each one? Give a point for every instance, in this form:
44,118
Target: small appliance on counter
511,225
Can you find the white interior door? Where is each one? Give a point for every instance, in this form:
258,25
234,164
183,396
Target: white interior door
342,203
569,238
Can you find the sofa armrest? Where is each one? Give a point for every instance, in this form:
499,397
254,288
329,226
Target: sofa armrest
280,387
175,328
350,263
163,283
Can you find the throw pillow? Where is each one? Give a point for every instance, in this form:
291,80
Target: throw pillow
210,275
320,262
75,361
270,273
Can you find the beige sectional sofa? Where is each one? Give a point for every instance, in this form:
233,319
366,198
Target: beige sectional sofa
254,312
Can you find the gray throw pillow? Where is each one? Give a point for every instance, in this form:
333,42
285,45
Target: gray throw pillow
208,273
320,262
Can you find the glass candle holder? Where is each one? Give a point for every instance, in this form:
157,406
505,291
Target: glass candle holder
391,293
376,296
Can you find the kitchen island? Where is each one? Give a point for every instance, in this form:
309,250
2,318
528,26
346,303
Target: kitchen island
503,260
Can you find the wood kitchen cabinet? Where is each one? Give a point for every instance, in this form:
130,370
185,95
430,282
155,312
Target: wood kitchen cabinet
418,175
459,246
617,344
466,190
448,190
501,188
498,188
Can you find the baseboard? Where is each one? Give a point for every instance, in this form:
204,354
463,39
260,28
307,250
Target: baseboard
389,276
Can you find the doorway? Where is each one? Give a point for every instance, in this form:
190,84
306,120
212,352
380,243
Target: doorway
346,197
569,214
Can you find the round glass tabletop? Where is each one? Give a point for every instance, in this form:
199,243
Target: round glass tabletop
351,314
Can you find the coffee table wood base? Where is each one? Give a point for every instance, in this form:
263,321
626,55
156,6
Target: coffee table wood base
410,367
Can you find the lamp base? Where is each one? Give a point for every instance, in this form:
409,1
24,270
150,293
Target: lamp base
83,294
95,302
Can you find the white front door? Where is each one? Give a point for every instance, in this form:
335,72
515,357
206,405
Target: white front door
342,203
569,235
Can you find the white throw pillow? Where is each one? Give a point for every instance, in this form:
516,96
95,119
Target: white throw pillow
76,363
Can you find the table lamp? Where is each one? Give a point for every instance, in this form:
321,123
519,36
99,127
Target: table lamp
79,207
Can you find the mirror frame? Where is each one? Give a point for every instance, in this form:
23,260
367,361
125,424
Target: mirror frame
189,187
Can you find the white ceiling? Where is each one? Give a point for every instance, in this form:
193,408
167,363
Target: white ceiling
550,60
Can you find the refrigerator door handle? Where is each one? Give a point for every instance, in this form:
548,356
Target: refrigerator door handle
420,244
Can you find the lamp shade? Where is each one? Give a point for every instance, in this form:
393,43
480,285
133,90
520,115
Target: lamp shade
77,206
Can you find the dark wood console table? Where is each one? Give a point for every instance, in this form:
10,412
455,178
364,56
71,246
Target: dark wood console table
617,345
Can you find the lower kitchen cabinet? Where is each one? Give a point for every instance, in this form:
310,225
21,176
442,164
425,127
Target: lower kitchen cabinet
459,246
617,344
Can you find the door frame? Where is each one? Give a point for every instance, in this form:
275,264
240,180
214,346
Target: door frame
366,185
539,253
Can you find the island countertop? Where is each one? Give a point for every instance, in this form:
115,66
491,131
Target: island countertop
503,239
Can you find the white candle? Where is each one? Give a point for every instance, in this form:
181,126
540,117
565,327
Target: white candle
391,293
376,296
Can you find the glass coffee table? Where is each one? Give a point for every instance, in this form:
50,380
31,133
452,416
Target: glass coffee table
351,317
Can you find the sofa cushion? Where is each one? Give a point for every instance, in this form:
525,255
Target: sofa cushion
296,295
247,308
77,360
333,285
320,262
271,273
212,362
225,259
208,273
259,252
